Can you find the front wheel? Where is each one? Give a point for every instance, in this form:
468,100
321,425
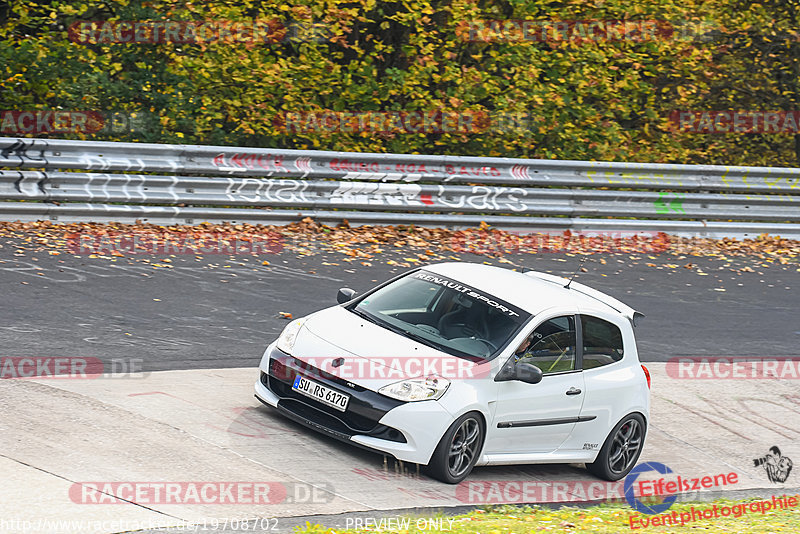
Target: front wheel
620,450
458,450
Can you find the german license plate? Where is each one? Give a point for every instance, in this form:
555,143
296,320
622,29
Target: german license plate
323,394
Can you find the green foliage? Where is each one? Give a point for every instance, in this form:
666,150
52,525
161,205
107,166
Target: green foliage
592,99
757,57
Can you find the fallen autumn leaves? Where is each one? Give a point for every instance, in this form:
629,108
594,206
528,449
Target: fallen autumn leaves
363,243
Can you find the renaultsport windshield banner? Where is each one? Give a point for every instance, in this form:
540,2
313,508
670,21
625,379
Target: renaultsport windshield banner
508,309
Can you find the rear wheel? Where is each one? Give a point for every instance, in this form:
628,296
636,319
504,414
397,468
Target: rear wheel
620,450
458,450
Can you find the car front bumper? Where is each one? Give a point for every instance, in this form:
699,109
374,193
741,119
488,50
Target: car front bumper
408,431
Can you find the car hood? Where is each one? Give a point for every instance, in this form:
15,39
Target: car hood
372,356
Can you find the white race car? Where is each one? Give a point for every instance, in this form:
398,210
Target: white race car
455,365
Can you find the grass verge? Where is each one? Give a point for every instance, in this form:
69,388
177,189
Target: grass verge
743,516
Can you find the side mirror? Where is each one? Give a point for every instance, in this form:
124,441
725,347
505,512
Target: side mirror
528,373
524,372
345,294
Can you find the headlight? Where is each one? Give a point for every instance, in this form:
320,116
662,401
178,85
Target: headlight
417,389
289,335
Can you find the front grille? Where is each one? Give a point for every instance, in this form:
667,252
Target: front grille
363,412
352,420
286,368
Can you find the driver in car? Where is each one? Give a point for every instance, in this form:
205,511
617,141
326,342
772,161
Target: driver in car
544,348
522,350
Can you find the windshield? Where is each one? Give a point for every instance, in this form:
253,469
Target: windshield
444,314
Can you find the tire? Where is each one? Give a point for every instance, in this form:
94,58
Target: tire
453,470
621,449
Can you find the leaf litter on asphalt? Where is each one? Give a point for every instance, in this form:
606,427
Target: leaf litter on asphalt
398,245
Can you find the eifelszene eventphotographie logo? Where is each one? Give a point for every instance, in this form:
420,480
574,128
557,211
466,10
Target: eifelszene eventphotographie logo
654,494
630,486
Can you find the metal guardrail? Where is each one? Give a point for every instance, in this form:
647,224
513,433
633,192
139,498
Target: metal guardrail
215,184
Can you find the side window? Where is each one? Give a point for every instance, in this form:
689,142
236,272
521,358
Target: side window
551,347
602,342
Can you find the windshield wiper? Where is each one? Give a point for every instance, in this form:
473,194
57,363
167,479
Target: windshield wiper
411,335
396,329
418,338
366,316
392,327
438,346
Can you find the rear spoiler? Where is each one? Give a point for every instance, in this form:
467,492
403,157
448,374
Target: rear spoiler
633,316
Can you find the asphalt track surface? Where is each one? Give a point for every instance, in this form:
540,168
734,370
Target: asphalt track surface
206,320
221,311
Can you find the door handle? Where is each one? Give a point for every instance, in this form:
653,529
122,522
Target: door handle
573,391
